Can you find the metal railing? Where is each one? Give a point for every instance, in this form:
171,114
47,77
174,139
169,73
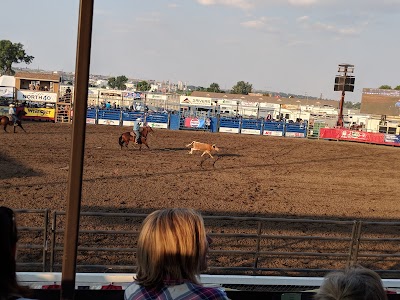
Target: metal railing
241,245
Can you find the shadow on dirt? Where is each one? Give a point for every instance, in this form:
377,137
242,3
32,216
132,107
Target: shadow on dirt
12,168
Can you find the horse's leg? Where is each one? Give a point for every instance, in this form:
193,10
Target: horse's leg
144,141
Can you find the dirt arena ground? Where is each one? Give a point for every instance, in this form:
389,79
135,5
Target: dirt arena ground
250,176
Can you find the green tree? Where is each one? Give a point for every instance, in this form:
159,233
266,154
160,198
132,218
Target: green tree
385,87
118,82
143,86
397,87
242,87
200,89
214,87
12,53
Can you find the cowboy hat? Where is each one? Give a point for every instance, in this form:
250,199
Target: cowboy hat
12,105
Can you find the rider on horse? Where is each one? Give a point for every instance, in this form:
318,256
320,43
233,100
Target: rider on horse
13,114
136,129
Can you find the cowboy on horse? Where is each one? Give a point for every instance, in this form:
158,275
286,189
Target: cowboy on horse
13,114
136,130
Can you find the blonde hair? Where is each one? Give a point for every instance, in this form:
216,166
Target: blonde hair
354,283
172,245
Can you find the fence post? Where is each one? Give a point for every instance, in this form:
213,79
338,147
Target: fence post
354,244
257,246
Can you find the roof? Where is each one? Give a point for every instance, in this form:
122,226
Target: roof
8,81
38,76
267,99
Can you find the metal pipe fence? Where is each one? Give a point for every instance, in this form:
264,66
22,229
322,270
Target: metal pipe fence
241,245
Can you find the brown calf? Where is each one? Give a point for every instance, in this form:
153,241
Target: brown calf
206,148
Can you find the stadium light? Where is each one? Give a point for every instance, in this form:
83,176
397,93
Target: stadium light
343,83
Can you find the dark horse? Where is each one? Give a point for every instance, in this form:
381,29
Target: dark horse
5,121
126,137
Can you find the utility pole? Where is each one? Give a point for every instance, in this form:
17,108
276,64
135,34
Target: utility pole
343,83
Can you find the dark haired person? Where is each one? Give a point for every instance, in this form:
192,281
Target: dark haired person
9,287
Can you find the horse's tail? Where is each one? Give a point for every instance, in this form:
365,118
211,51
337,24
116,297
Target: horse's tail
188,145
121,141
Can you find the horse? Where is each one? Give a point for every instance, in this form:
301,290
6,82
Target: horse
5,121
126,137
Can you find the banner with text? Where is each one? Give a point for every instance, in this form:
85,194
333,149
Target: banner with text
39,113
195,123
359,136
37,96
200,101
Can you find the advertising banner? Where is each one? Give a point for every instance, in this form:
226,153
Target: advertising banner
195,123
108,122
200,101
39,113
295,134
37,96
156,97
272,133
251,131
229,130
158,125
6,92
360,136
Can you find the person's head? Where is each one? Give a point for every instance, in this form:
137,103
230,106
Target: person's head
354,283
8,242
172,245
11,105
139,119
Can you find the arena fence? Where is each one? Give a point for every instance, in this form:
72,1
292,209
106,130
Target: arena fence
207,122
241,245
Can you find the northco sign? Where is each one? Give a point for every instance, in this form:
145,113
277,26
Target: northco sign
36,96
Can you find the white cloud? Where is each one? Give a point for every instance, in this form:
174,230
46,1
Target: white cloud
303,2
264,24
172,5
331,28
242,4
303,19
258,24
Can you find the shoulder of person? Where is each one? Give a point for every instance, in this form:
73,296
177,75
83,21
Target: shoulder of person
214,293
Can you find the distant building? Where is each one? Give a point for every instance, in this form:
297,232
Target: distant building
380,102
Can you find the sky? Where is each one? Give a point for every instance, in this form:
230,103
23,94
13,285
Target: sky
292,46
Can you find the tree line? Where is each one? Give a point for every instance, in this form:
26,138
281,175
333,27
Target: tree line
11,53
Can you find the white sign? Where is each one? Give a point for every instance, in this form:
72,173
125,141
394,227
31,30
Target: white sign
90,121
37,96
6,92
156,96
158,125
108,122
295,134
272,133
250,131
202,101
229,130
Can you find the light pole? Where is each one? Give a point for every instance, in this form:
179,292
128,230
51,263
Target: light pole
299,102
343,83
280,107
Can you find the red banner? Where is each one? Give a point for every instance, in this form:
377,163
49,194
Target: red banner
356,136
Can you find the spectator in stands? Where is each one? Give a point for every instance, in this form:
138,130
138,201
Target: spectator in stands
354,283
9,287
171,252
